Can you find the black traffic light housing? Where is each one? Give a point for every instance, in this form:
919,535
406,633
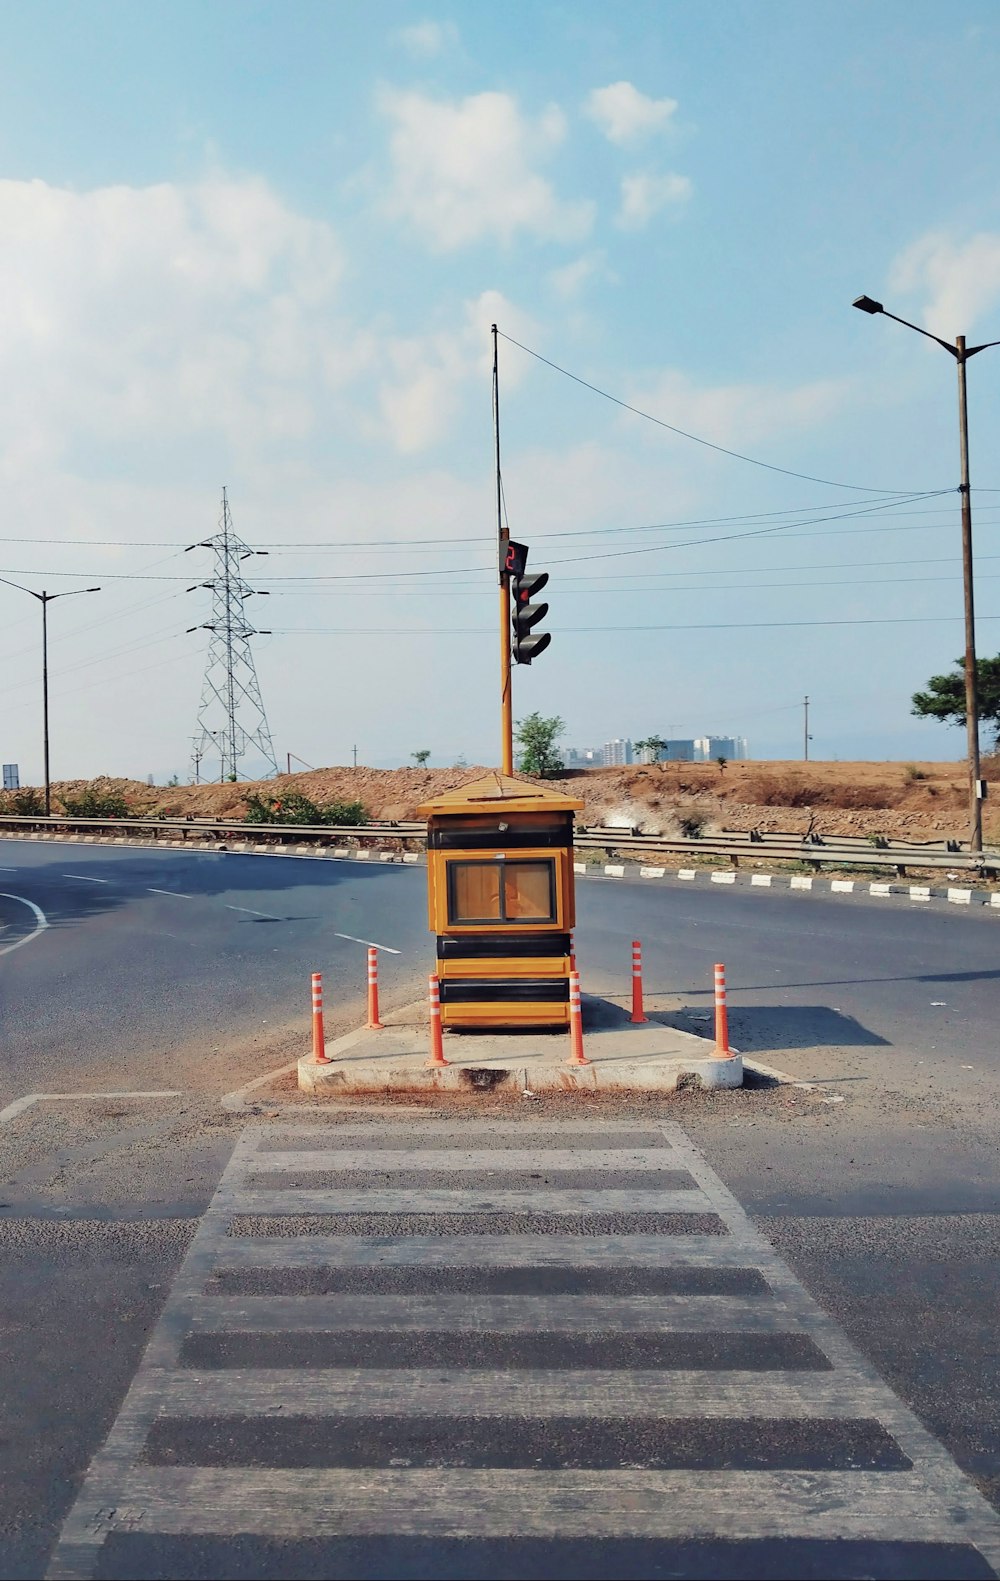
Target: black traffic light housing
524,614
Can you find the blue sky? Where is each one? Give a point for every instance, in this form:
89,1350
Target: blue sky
262,246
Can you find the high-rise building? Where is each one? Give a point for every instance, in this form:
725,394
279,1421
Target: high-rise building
708,748
617,752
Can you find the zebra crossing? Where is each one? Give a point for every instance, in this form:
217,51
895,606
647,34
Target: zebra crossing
484,1349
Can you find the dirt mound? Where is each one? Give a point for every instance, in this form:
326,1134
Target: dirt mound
911,800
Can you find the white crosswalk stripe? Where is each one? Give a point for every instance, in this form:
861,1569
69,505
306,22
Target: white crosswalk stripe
395,1364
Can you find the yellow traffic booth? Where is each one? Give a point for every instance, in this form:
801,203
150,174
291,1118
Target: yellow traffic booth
501,901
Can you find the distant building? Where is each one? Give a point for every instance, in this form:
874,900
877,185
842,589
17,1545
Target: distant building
617,752
677,752
583,757
708,748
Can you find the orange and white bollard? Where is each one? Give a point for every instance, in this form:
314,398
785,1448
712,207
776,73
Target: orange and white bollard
319,1039
437,1042
637,1011
374,1024
721,1015
576,1054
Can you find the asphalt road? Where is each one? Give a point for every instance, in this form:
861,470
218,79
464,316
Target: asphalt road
879,1185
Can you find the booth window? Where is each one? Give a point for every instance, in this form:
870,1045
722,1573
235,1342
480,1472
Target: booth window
502,891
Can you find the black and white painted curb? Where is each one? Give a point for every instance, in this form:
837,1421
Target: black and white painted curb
797,881
338,853
986,899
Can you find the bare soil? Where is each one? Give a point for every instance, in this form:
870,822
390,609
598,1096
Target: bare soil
900,800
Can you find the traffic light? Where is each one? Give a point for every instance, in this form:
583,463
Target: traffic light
524,614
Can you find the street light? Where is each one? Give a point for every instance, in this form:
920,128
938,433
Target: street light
961,353
45,599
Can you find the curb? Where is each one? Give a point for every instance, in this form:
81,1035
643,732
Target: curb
367,1076
301,853
989,900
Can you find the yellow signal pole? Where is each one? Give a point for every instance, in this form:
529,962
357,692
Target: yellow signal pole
506,701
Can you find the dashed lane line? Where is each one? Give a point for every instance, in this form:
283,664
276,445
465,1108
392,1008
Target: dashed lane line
370,942
84,878
251,913
174,892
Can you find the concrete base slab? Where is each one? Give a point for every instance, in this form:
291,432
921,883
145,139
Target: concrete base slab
652,1056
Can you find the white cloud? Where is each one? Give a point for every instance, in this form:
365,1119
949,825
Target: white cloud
959,281
157,311
737,415
627,116
465,170
428,376
645,194
426,39
569,281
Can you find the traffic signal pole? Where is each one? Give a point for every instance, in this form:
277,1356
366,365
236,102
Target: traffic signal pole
506,700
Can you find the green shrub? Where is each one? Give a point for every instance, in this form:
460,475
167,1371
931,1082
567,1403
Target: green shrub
295,807
92,803
27,803
913,773
691,825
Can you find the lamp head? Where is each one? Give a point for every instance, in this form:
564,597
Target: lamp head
867,305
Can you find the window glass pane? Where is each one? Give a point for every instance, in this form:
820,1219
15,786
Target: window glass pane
528,890
475,892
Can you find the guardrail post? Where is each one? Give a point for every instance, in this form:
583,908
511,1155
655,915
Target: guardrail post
437,1042
576,1054
722,1049
637,1010
374,1024
319,1039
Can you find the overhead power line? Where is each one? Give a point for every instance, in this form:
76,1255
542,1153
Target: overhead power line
682,433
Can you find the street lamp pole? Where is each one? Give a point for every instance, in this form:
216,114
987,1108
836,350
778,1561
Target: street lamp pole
45,599
961,353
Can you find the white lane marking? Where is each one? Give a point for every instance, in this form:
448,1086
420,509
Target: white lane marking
370,942
41,923
251,913
175,892
8,870
20,1104
84,879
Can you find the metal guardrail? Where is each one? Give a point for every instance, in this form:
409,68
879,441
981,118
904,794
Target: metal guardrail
815,850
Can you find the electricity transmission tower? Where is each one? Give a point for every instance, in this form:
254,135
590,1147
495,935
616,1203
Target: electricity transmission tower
231,717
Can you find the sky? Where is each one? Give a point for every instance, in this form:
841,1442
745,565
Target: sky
261,247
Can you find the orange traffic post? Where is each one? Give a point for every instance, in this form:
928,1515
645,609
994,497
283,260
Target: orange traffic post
373,1021
576,1054
437,1042
721,1015
637,1011
319,1039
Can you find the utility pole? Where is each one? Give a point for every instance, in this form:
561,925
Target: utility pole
230,695
971,677
506,701
805,735
45,599
196,756
961,353
355,751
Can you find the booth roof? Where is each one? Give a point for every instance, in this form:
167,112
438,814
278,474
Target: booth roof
500,790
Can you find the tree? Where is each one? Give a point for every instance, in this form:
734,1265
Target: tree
420,758
536,738
944,698
722,764
653,745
